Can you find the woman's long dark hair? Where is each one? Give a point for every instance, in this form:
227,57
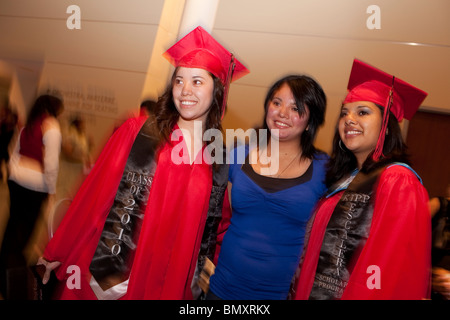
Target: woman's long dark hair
306,91
167,115
343,162
44,105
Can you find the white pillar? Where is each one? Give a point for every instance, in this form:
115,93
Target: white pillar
198,13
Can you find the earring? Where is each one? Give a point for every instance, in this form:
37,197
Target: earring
340,145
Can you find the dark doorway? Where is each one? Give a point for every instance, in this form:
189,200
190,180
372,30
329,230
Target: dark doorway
428,143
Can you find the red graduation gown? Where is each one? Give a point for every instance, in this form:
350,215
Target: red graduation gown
399,243
172,228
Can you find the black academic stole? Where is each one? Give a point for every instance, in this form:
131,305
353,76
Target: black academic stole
115,251
345,236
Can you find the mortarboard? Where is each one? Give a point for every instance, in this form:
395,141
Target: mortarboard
367,83
198,49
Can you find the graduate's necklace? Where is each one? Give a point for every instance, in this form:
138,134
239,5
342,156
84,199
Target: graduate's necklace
290,163
275,175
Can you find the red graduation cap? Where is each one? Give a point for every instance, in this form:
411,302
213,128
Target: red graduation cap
368,83
198,49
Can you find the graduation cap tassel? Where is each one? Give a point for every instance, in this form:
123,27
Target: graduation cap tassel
380,143
227,84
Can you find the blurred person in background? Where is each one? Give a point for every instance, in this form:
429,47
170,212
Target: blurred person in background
76,159
33,169
147,107
440,254
8,122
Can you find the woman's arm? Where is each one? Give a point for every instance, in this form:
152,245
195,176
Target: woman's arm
51,138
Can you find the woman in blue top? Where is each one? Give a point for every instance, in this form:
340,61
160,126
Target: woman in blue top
273,194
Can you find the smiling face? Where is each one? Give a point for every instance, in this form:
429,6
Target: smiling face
193,93
282,114
359,128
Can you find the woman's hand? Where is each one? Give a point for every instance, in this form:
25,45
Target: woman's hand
49,267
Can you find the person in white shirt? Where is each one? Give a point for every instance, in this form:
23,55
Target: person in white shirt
32,181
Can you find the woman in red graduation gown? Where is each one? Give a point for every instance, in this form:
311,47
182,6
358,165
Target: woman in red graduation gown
370,236
136,228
